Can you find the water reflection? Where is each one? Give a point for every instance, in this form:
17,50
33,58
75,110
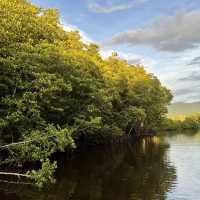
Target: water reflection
184,154
130,172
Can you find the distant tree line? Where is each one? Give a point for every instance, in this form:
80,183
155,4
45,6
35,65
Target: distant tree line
186,123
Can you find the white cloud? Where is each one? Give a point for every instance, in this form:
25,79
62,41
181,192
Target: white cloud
168,33
97,8
84,36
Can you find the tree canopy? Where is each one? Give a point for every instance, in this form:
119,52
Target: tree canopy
52,85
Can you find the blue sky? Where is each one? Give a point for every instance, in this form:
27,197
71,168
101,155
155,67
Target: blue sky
164,36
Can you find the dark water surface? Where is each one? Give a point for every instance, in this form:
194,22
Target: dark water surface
163,167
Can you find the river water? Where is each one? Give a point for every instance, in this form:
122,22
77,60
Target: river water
156,168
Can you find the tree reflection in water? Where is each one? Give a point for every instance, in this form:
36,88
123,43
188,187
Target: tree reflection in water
138,171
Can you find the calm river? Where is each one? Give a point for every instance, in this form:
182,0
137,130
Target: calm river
162,167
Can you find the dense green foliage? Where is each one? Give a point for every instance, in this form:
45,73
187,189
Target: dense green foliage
54,87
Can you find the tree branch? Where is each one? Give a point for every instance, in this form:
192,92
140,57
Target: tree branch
15,143
15,174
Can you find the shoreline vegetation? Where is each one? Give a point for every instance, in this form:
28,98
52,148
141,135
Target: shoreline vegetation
56,90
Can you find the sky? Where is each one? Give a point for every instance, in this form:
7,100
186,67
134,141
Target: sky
162,35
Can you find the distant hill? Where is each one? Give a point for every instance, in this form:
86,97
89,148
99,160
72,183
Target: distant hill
181,108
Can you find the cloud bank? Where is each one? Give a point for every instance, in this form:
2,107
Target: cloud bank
168,33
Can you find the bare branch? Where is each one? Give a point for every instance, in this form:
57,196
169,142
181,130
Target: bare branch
15,174
15,143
